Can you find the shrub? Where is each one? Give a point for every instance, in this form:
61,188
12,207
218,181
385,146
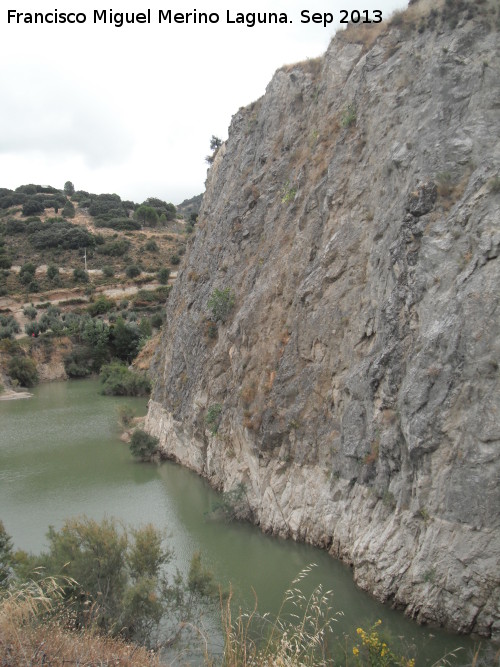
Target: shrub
349,116
68,210
33,206
33,329
117,380
30,312
108,271
100,306
145,327
151,246
33,286
27,273
80,275
52,272
157,320
220,303
125,415
163,275
120,223
23,370
78,363
175,260
5,260
213,417
115,248
8,327
59,233
288,193
132,271
143,445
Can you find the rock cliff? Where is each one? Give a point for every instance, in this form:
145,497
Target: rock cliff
352,388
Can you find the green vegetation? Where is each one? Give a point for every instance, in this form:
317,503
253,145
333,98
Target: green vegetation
100,306
147,216
69,188
143,445
215,144
231,504
52,272
8,326
213,417
221,303
114,580
288,193
132,271
117,380
349,116
163,275
80,275
23,371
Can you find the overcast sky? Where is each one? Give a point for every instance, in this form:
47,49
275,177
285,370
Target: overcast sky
131,110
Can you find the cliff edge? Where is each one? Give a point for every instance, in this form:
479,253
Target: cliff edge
352,388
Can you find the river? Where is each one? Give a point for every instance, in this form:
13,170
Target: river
60,456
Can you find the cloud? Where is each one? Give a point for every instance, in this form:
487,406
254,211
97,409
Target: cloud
45,112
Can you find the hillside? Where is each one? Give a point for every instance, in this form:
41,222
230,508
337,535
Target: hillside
68,257
331,343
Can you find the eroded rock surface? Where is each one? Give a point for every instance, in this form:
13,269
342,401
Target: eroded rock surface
354,214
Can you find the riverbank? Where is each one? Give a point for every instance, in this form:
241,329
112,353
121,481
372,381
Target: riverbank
11,395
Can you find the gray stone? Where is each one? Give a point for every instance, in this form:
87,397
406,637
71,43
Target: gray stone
358,370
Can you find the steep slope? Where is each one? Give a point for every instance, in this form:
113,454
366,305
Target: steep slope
353,388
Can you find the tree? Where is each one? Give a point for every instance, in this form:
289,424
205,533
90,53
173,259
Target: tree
69,188
125,340
117,380
215,143
147,215
117,581
23,370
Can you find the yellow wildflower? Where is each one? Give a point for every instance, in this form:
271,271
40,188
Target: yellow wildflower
355,651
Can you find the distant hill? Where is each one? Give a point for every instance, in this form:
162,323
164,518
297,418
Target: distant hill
189,206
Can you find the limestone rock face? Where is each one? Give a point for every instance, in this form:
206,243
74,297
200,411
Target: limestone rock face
354,214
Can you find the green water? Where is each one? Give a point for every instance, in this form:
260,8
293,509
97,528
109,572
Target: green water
60,456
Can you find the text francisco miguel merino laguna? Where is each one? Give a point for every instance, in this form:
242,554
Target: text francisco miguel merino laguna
118,19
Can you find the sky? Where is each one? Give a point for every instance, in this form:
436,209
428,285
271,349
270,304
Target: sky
131,109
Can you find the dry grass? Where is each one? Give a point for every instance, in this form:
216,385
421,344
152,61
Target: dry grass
36,629
297,638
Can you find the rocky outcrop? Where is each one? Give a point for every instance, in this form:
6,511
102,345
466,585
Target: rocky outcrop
353,387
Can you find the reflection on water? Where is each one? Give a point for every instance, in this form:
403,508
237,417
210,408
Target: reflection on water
60,456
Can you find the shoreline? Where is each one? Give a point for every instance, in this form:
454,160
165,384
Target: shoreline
11,395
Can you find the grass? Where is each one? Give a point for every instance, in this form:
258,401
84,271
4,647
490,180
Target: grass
36,629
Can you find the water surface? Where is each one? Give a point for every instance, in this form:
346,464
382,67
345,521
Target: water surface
60,456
